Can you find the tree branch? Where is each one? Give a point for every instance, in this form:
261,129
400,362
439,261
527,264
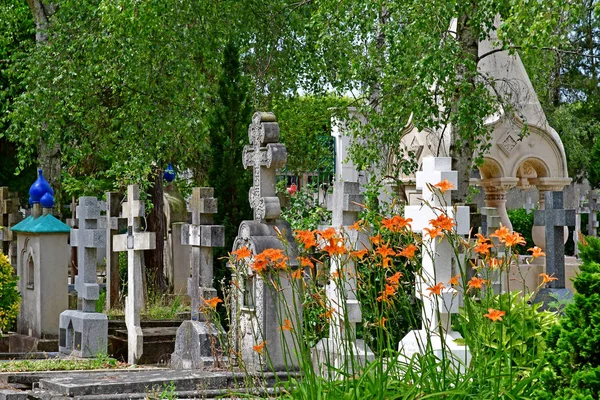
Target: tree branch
564,51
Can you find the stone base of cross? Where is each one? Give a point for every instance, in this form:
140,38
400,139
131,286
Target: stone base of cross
134,242
439,265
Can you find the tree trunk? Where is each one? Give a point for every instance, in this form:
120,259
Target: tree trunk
461,148
154,259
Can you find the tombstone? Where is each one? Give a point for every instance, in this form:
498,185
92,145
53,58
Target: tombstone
84,332
438,266
582,208
198,339
528,205
42,265
114,225
341,351
177,255
554,218
9,216
134,242
594,207
257,307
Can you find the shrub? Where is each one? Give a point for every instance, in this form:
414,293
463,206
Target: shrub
10,298
574,354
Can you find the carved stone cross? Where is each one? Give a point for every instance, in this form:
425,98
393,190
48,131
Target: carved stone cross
554,217
202,235
264,155
593,206
134,242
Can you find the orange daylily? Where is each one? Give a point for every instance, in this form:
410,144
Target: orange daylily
483,249
501,233
494,263
213,303
444,185
481,238
433,232
514,238
396,223
454,280
327,314
476,283
259,347
386,262
334,248
360,254
385,251
437,289
443,222
381,322
409,251
547,278
297,274
241,253
307,238
306,262
328,234
287,325
494,315
395,279
376,240
536,252
387,293
355,226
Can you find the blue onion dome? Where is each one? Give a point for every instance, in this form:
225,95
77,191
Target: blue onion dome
169,174
30,202
47,200
39,188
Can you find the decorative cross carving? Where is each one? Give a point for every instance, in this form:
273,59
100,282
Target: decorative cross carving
202,235
134,242
554,217
264,155
89,237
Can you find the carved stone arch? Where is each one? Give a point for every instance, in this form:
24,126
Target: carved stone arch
529,169
491,168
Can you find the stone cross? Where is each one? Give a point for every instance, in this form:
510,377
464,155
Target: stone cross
202,236
490,220
9,216
134,242
114,224
554,217
264,155
88,238
593,206
438,265
528,205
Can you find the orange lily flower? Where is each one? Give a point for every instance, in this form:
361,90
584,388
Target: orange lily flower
385,251
443,222
437,289
360,254
328,234
241,253
335,249
306,262
396,223
382,322
387,293
481,238
297,274
483,249
514,239
547,278
433,232
501,233
536,252
494,263
287,325
376,240
454,280
259,347
476,283
395,279
213,303
327,314
307,238
355,226
444,185
408,251
494,315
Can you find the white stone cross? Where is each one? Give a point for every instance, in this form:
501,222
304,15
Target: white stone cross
437,264
264,155
528,206
593,206
88,238
202,235
134,242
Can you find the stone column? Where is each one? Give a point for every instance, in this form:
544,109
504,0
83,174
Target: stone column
495,196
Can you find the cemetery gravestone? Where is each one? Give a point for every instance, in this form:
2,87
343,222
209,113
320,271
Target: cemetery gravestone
438,262
9,216
341,351
197,340
554,218
114,224
594,207
42,263
84,333
134,242
258,308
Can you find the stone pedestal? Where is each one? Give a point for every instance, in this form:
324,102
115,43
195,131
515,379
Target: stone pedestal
196,345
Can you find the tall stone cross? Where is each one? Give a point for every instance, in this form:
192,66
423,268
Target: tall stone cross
114,224
594,207
202,236
264,155
438,265
134,242
88,238
9,216
554,217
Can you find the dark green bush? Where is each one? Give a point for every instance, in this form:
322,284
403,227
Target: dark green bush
574,344
10,299
522,223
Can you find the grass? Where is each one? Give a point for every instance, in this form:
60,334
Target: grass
60,364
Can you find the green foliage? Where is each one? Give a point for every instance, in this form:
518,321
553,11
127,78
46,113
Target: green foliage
10,298
57,364
574,355
522,223
304,213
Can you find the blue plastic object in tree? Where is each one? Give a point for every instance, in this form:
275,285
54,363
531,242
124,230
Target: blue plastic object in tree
39,188
169,174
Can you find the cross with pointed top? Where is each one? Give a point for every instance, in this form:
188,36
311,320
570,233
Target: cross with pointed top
264,155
